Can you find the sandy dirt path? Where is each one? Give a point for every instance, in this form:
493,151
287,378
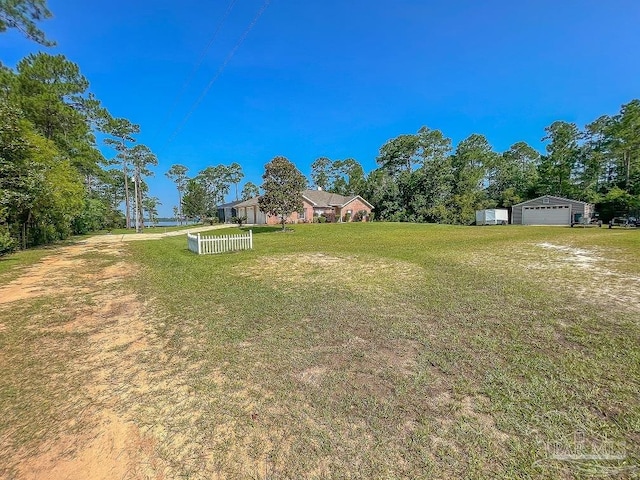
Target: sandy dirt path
87,280
132,237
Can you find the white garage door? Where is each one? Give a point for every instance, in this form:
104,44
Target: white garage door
250,215
547,215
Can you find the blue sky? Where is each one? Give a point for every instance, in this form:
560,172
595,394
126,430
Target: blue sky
339,78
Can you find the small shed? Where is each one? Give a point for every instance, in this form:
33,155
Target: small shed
492,216
550,210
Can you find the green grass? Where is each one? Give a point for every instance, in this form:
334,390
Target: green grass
11,265
128,231
399,351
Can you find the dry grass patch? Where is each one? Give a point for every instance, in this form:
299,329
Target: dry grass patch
358,273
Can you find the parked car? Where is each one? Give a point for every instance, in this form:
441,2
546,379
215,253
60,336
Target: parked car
624,222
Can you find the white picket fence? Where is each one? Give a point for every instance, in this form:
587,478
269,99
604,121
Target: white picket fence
220,243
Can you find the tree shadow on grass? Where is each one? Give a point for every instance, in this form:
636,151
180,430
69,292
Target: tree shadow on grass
257,230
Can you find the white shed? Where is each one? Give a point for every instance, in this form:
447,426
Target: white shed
493,216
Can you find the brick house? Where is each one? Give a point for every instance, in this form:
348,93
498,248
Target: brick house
315,203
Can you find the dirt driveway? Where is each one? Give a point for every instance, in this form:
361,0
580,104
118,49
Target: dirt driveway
96,330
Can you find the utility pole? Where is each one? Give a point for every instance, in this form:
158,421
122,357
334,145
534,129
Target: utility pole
135,184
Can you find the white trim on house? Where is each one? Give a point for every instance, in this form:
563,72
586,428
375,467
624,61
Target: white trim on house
564,199
357,197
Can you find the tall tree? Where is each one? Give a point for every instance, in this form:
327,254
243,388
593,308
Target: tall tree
178,174
430,186
122,130
141,159
51,91
250,190
23,15
382,190
321,173
235,175
194,200
282,185
514,175
348,177
216,181
557,171
625,133
150,205
399,154
471,162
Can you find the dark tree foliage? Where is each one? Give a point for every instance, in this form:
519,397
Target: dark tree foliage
23,15
282,185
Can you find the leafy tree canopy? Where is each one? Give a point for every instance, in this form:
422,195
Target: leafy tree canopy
282,185
23,15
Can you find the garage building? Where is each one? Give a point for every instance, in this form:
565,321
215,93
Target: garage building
550,210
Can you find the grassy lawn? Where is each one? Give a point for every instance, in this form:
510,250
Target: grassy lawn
400,351
174,228
11,265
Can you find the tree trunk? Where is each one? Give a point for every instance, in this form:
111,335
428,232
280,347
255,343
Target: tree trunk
284,222
126,193
140,210
627,167
179,207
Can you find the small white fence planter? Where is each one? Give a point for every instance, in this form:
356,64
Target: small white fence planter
220,243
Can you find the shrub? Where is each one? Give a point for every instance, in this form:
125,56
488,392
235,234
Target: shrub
239,220
346,217
360,216
322,219
7,243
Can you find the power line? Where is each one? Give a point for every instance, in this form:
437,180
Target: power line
196,67
220,70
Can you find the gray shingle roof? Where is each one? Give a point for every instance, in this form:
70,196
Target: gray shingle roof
320,198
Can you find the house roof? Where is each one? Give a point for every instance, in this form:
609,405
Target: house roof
320,198
248,203
317,198
553,197
229,204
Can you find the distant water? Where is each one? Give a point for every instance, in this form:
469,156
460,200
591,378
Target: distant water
171,223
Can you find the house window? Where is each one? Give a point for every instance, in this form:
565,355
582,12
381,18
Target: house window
545,200
301,214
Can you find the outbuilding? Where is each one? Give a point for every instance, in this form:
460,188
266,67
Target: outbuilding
492,216
550,210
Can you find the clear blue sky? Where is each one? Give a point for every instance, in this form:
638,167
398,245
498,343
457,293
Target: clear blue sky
338,78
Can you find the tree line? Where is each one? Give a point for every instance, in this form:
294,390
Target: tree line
422,178
54,180
199,196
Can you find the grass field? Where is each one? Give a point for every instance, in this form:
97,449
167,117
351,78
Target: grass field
404,351
173,228
333,351
12,265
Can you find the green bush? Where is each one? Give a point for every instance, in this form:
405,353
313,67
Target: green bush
7,244
239,220
322,219
360,216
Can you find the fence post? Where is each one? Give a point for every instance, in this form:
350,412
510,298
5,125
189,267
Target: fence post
250,239
199,248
